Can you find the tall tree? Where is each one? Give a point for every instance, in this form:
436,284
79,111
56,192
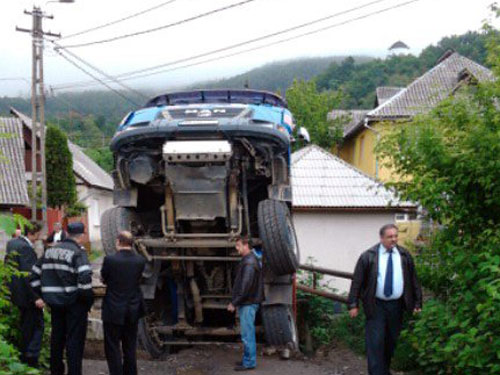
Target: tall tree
61,184
310,109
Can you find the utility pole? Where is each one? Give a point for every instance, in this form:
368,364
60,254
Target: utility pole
38,112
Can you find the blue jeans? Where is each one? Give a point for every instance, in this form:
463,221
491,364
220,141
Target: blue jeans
247,323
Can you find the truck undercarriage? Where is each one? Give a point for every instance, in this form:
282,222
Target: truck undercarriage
186,192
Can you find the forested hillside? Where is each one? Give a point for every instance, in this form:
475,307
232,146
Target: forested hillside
90,118
278,76
358,81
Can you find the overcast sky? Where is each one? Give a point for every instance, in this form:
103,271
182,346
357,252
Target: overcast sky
417,24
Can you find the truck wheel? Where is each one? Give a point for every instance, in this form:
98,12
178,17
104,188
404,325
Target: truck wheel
279,326
149,342
113,221
281,250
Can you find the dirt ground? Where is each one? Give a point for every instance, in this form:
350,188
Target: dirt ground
219,360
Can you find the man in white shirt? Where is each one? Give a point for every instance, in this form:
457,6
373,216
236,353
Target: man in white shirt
385,280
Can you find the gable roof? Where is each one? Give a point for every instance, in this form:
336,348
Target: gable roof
83,166
13,187
427,91
353,117
322,180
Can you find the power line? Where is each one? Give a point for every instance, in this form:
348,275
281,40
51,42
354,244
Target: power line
135,74
109,77
202,15
97,79
281,41
240,44
118,20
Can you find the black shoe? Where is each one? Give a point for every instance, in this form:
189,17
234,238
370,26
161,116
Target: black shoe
238,363
243,368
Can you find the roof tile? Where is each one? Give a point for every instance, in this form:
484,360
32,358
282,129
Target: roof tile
322,180
13,187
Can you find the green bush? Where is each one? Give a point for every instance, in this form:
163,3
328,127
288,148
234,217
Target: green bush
449,161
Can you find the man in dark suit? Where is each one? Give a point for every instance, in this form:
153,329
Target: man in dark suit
57,235
123,305
385,280
21,254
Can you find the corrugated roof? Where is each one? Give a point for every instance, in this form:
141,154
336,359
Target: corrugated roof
322,180
13,189
435,85
83,166
353,117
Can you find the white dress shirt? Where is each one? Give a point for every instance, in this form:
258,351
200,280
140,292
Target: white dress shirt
397,272
57,236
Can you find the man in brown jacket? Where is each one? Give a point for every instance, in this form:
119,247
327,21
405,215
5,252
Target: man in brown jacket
385,281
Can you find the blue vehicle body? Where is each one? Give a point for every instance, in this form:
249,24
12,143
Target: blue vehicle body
259,113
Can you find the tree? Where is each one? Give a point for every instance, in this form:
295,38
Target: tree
310,109
450,163
61,185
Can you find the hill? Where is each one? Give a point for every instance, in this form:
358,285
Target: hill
278,76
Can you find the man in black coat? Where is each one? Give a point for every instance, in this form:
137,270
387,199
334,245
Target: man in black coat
63,278
248,293
21,254
385,280
57,235
123,305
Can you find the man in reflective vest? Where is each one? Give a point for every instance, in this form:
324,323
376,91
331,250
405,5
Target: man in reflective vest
63,279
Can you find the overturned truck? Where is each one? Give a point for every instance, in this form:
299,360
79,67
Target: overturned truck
192,172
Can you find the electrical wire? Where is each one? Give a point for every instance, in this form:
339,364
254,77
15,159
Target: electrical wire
97,79
135,74
109,77
177,23
118,20
240,44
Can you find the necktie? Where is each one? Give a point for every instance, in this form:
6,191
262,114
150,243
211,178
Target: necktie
388,276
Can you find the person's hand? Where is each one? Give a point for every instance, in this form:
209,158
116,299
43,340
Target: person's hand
39,303
417,310
354,312
230,307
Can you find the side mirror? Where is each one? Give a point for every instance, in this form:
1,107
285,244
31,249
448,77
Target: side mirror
304,134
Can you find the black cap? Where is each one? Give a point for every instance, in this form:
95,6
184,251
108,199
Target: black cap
76,228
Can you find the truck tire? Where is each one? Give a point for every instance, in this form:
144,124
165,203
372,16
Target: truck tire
148,343
113,221
276,230
279,326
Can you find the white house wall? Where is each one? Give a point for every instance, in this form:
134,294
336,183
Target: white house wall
97,201
335,240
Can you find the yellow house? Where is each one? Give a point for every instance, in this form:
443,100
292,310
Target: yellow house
396,107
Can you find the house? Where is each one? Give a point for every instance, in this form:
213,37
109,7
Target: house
13,188
94,185
337,210
396,106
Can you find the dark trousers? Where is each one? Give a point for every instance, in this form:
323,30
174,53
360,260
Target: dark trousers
382,332
69,329
126,334
31,333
